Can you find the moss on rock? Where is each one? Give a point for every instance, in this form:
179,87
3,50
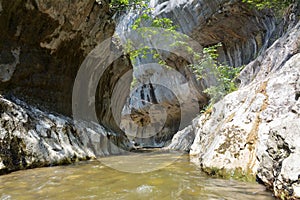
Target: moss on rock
236,174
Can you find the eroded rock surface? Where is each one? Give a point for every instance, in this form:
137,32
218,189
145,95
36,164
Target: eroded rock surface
256,128
165,103
243,32
43,45
32,138
183,140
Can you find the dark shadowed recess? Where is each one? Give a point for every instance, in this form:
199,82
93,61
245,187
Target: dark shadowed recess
45,78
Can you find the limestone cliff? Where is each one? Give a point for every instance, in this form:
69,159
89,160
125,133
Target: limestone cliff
42,46
243,31
256,129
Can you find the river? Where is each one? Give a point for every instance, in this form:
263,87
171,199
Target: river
178,179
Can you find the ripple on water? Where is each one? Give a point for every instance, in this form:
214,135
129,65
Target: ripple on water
93,180
144,189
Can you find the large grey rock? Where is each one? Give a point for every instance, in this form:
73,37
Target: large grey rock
182,140
256,128
51,38
32,138
243,31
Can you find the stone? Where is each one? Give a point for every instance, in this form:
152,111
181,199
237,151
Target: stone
207,23
244,32
256,128
252,131
34,138
182,140
45,44
7,70
296,188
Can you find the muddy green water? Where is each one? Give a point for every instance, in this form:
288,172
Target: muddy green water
94,180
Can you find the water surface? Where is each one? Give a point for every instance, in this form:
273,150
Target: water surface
93,180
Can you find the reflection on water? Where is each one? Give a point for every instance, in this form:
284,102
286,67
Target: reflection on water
93,180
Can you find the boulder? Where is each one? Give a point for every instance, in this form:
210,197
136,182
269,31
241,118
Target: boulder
256,128
32,138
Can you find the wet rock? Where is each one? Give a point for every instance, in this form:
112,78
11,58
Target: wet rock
32,138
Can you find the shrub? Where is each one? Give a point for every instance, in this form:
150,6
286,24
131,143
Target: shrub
205,65
208,66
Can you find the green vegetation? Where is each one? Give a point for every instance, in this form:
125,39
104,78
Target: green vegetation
144,20
205,64
236,174
208,66
141,24
124,4
260,4
276,4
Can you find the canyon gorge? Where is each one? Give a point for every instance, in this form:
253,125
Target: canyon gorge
67,90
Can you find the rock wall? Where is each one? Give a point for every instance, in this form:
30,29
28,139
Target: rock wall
43,44
251,131
244,33
162,103
32,138
256,129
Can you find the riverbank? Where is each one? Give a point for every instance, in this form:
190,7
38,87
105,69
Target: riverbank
31,138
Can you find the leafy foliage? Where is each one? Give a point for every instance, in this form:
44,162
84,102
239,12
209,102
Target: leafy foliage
207,65
123,4
146,19
275,4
